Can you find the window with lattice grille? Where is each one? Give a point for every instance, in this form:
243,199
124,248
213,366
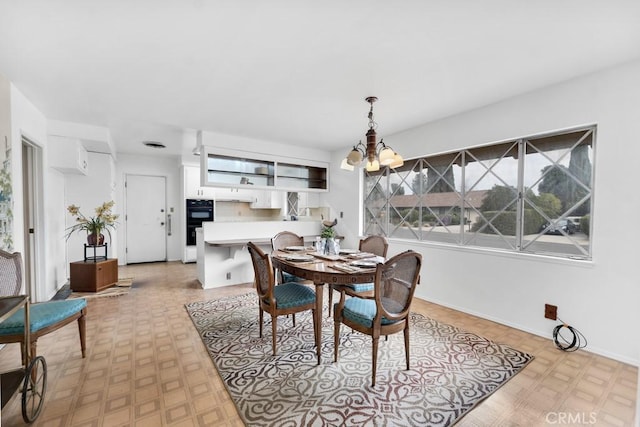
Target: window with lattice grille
292,204
532,194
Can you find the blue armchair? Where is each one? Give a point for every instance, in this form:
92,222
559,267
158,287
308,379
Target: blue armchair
45,317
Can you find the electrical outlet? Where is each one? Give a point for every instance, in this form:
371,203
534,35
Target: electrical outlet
550,311
229,276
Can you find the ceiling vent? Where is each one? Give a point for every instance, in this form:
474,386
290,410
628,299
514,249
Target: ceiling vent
154,144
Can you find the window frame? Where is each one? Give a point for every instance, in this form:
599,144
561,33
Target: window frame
379,214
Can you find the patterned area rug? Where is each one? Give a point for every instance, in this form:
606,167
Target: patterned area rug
451,370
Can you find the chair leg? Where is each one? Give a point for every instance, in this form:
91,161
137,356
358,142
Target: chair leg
406,344
274,328
330,299
337,321
317,341
374,360
260,321
336,338
294,319
32,352
33,349
83,334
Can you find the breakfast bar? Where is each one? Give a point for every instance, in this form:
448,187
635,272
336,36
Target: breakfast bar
222,258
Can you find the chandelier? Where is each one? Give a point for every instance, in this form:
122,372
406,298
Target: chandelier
375,153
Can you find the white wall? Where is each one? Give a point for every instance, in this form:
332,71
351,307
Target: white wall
262,146
27,121
88,192
168,167
599,298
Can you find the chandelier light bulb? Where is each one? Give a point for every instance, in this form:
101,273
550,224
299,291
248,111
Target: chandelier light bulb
386,156
355,157
373,166
346,166
397,161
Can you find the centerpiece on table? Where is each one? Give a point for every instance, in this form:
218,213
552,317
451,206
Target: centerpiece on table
104,220
330,243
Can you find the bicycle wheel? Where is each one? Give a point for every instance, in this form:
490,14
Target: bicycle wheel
33,389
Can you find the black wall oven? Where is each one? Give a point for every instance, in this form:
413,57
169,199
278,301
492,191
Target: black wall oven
198,211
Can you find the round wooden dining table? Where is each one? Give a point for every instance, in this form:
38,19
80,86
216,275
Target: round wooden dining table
322,270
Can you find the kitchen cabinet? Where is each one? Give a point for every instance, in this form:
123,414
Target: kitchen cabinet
235,195
268,199
190,254
192,187
225,168
239,171
68,155
301,177
308,200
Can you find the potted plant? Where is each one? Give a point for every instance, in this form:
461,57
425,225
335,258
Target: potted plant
328,233
104,220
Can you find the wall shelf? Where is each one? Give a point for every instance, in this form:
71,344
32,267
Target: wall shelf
240,171
223,169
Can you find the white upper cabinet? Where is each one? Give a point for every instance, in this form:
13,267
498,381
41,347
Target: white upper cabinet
308,200
268,199
192,187
68,155
235,195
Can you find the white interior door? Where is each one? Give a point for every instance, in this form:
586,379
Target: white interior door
31,197
146,217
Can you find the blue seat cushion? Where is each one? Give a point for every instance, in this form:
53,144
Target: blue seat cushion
288,277
42,315
361,287
293,294
361,311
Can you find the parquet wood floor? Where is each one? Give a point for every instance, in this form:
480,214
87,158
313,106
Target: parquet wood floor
146,366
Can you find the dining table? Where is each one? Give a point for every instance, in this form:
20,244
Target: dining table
345,269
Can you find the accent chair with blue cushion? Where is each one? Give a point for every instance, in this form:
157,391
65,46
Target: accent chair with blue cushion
45,317
377,245
286,298
388,311
278,243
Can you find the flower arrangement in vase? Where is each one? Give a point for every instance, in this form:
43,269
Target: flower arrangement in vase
104,220
328,234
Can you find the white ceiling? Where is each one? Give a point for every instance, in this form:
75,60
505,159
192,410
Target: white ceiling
296,71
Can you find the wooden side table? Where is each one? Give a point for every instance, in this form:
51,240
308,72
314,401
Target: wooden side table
93,276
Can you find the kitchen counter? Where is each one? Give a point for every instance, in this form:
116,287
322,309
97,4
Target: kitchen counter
242,242
221,254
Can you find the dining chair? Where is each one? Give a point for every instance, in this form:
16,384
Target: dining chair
388,312
286,298
377,245
45,317
279,242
